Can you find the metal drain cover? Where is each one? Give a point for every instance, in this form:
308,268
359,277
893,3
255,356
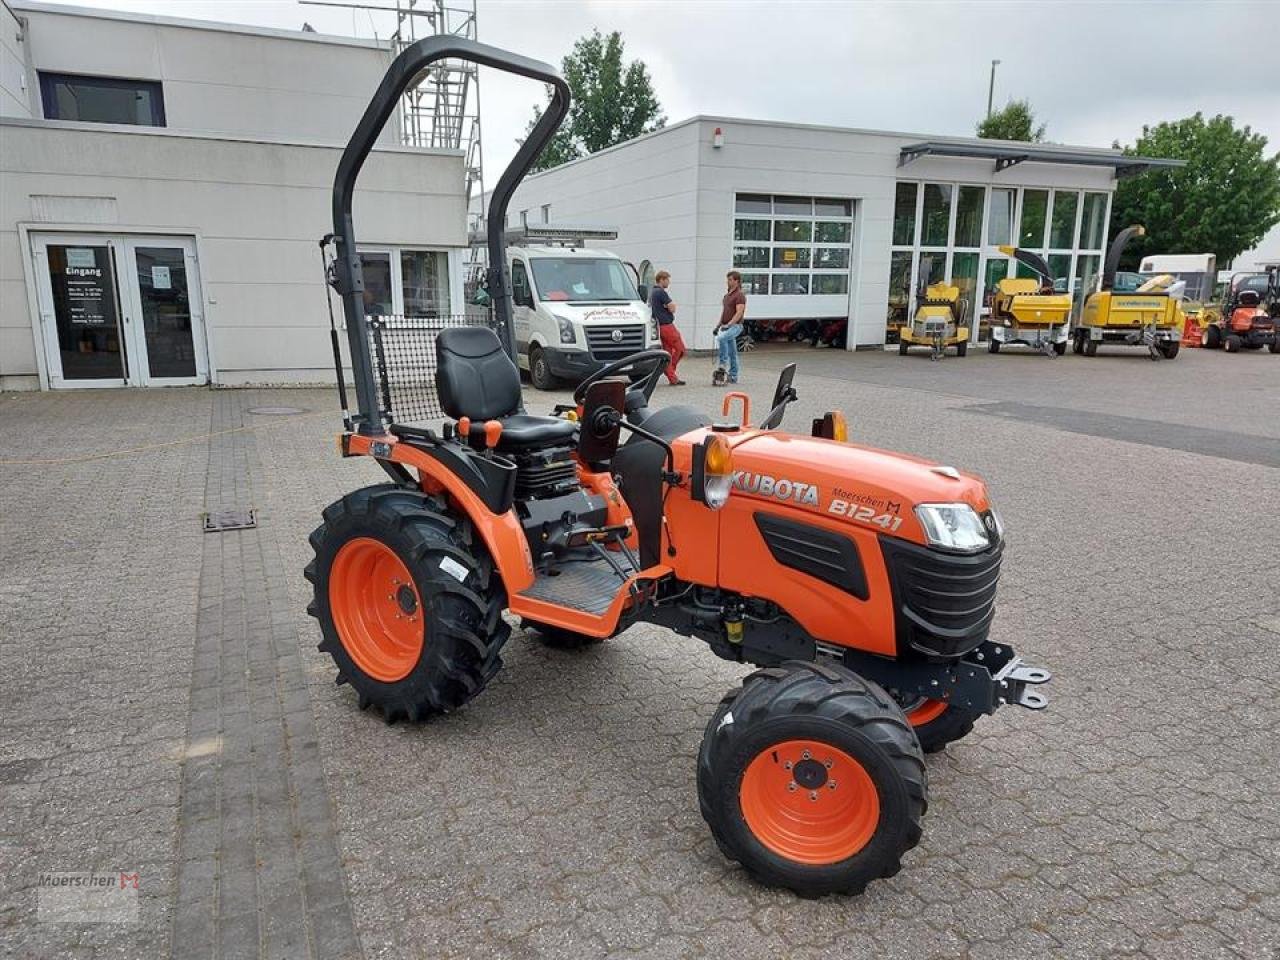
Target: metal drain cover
277,411
219,521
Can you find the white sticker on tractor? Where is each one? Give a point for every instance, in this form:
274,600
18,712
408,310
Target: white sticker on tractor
454,569
725,720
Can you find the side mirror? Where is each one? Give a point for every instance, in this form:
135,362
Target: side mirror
783,394
601,415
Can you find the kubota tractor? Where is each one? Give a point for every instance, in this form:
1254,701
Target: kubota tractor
860,582
1249,316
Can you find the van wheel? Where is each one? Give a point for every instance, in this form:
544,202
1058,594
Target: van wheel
540,371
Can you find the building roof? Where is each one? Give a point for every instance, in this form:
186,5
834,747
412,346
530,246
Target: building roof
1006,153
133,16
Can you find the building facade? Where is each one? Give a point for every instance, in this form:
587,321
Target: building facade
163,186
828,223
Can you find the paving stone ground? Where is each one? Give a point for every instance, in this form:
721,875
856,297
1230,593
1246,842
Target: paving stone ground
166,710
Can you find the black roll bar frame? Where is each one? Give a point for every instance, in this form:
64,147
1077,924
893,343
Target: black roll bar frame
348,276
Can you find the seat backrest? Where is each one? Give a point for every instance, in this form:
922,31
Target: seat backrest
474,376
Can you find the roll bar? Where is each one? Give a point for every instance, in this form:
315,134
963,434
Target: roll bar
348,277
1032,260
1112,263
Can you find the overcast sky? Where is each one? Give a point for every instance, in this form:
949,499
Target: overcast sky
1094,72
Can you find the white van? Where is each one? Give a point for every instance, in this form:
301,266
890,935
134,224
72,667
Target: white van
575,309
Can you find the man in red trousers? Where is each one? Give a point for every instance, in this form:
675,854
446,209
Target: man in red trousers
664,312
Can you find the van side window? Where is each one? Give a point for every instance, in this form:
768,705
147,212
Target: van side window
520,292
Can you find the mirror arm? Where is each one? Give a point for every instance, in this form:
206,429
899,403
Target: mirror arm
613,418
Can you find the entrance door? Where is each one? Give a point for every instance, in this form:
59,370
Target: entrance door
120,311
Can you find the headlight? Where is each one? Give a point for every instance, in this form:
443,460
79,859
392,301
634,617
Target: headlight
953,526
566,330
653,330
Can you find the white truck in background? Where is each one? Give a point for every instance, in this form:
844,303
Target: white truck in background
574,308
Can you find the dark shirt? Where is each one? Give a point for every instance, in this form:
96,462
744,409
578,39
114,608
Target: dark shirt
658,300
731,301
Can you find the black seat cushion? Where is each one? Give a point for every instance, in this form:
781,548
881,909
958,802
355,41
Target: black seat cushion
521,431
474,376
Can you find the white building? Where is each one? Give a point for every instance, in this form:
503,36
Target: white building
163,186
825,222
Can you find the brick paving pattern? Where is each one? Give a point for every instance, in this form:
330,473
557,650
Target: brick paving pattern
556,816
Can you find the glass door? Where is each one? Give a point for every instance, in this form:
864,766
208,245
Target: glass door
80,315
165,315
120,312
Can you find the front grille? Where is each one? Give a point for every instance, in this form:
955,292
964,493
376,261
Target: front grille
603,346
943,603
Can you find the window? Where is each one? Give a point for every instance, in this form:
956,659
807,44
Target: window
937,213
969,216
520,283
1035,204
582,279
904,215
1059,265
546,213
899,288
1093,224
1062,227
376,268
781,239
102,99
1000,226
425,281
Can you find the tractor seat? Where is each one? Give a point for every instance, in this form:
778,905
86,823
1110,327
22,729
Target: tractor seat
475,378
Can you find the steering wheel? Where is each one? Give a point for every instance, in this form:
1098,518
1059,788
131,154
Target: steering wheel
643,369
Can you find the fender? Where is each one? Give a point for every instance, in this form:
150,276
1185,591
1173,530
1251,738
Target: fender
501,532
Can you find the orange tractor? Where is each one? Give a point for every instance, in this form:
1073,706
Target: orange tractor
1250,314
861,582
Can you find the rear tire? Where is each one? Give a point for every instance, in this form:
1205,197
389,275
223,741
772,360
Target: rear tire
937,723
1169,350
1077,343
409,667
540,374
1233,343
773,760
962,348
1274,345
1090,347
993,346
1060,348
902,348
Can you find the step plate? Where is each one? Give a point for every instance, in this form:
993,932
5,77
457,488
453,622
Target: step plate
588,586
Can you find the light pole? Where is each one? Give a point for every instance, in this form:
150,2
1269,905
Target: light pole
991,90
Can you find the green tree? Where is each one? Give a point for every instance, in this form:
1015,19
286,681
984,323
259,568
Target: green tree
1222,202
1015,121
612,101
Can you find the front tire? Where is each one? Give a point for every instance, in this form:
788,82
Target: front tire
962,348
812,779
1077,343
409,603
1274,345
1233,343
1060,348
993,346
1090,347
540,374
1169,350
903,346
1212,337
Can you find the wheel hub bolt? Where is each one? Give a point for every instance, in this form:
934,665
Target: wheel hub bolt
791,786
813,794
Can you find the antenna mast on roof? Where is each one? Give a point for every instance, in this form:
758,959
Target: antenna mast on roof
441,109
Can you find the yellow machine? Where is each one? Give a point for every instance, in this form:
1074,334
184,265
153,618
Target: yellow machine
1150,317
939,320
1028,310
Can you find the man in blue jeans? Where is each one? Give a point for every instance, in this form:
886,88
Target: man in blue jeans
727,330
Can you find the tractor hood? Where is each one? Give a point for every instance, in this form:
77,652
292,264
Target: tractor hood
862,485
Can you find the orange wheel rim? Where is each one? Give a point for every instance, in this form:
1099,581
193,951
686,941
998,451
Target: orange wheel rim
809,802
376,608
926,711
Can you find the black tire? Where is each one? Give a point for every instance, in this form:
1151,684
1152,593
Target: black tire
1212,337
1170,350
463,624
993,346
962,348
1274,345
903,346
1090,347
834,706
947,727
1077,343
540,374
1060,348
558,638
1233,343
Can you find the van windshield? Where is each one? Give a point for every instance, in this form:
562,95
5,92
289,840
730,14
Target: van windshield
582,279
